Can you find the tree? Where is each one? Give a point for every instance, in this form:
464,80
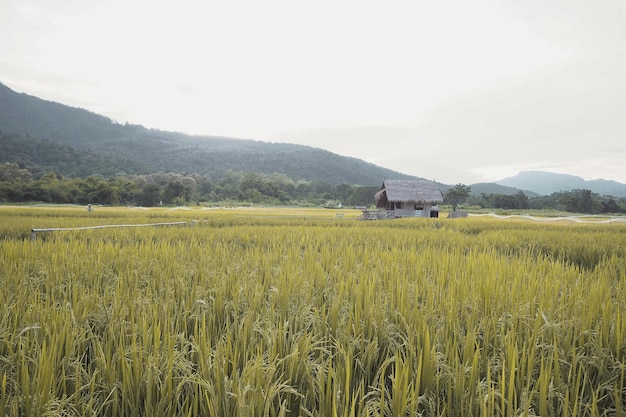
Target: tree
611,206
457,195
174,191
343,191
585,202
149,196
363,196
576,201
11,172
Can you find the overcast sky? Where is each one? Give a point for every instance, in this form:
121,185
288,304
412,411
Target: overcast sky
457,91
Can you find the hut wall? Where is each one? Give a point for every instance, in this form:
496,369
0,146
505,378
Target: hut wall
404,212
411,210
426,210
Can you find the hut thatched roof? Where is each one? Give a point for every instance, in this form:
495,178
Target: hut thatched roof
410,191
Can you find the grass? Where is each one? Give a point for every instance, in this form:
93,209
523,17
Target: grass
260,312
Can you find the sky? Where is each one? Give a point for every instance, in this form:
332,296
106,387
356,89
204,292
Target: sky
455,91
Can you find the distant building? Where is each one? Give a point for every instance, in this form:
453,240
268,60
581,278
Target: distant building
402,198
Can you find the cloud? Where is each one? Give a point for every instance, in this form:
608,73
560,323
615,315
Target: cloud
457,91
566,118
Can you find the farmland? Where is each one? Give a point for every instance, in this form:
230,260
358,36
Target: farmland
262,312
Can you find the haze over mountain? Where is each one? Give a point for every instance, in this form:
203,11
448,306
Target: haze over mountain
47,136
546,183
76,142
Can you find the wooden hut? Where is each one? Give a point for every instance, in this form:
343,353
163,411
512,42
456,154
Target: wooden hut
401,198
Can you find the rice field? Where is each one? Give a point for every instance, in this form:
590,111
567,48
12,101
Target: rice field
285,312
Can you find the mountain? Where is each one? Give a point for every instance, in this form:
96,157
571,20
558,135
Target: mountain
489,188
493,188
546,183
43,135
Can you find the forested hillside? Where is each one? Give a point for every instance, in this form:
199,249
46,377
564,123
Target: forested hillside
53,153
86,143
41,156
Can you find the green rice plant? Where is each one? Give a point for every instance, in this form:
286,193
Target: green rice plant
278,313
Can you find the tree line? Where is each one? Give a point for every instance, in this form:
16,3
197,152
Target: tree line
574,201
19,185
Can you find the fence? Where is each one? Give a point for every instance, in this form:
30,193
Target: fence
107,226
378,214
